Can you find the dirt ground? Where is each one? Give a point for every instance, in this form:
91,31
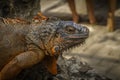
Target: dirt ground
102,48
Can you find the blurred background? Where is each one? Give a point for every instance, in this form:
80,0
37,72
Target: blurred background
102,48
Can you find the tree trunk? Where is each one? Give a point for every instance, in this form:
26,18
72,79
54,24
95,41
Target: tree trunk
19,8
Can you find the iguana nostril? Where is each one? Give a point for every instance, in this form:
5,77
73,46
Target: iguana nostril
82,29
87,30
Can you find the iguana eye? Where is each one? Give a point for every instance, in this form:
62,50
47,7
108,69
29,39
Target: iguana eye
70,29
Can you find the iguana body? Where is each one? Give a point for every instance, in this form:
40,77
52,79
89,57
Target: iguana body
23,45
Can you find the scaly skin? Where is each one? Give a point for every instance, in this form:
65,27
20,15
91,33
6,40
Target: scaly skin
23,45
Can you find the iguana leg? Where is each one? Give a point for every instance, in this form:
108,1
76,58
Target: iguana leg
20,62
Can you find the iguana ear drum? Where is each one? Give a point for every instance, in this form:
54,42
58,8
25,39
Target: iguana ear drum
55,49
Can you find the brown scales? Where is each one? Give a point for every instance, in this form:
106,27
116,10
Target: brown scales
36,19
50,61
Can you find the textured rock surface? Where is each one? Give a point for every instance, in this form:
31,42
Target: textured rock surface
68,69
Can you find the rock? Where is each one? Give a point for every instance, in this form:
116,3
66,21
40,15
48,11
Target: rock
68,69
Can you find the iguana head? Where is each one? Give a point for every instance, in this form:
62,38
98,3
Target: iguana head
57,36
68,35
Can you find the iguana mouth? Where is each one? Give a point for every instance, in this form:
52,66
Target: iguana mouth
77,36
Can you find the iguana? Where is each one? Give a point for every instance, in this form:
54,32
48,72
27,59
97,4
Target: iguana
24,45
